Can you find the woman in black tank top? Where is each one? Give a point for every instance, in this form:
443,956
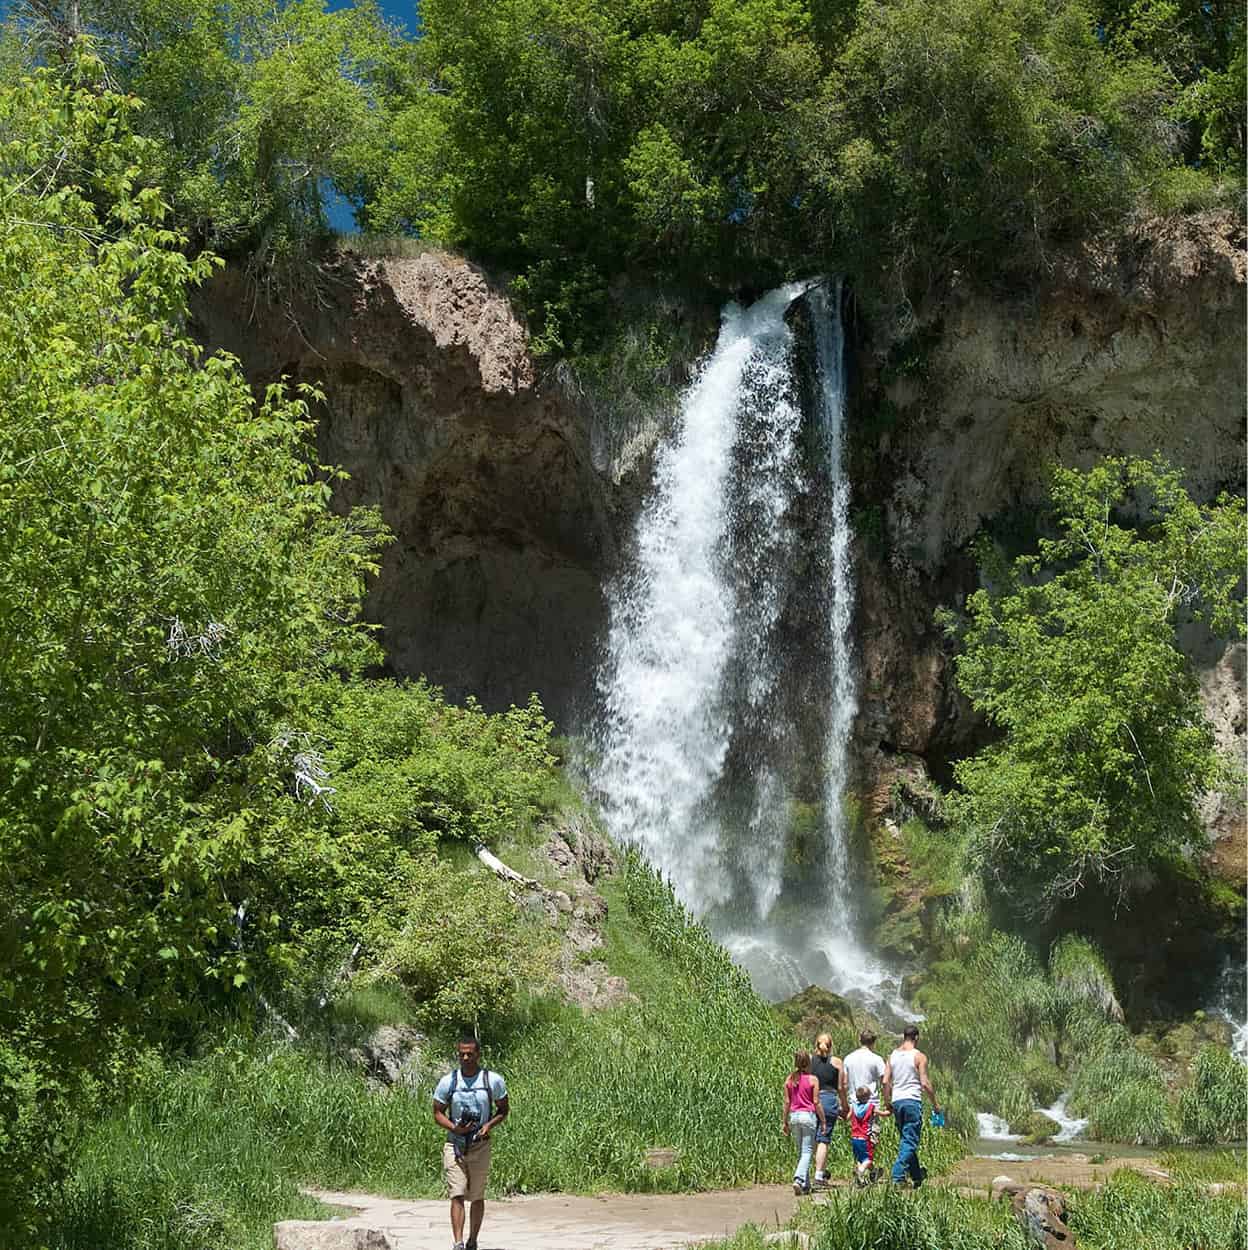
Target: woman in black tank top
827,1067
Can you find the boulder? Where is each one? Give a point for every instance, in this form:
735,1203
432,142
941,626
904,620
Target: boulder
815,1010
1036,1128
327,1235
1041,1211
391,1055
658,1157
592,987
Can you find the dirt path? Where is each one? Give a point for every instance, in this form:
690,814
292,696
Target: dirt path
550,1221
1065,1171
668,1221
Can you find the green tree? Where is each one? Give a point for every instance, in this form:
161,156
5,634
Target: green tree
256,107
1071,654
171,578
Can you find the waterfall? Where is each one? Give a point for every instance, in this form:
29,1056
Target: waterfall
674,619
728,691
839,595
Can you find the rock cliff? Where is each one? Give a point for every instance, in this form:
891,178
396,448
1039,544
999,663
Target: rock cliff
1128,350
435,408
508,521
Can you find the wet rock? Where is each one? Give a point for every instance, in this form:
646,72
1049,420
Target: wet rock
1036,1128
1040,1210
815,1010
327,1235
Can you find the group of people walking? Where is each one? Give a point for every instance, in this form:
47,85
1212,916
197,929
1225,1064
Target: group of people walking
861,1088
470,1101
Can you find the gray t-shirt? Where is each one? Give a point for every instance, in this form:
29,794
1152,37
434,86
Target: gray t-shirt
469,1096
863,1067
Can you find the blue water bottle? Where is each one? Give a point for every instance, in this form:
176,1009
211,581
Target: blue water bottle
938,1119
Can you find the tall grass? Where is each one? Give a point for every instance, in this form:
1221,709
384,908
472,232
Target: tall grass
209,1153
883,1219
1119,1088
1128,1213
1133,1213
1214,1107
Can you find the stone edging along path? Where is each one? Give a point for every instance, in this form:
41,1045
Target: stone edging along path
634,1221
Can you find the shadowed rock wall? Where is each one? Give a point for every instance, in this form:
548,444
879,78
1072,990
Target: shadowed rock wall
433,405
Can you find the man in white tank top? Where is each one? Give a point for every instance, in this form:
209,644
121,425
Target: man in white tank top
905,1082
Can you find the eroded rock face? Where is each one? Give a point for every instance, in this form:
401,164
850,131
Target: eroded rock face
434,407
1128,351
1122,352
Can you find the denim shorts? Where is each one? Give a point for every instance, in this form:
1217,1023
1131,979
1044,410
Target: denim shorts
831,1108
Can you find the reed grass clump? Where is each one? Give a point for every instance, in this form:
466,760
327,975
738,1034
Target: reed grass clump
1133,1213
1214,1107
882,1219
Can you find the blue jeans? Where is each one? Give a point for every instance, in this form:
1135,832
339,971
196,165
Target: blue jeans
908,1116
831,1109
802,1130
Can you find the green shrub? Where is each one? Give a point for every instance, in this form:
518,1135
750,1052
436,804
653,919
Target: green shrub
458,943
1036,1127
407,764
1214,1107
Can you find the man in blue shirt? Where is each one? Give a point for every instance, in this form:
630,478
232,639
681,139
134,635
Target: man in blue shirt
468,1103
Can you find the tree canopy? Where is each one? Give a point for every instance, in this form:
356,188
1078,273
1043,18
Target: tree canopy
722,143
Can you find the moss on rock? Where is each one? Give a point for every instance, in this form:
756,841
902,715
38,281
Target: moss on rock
1036,1128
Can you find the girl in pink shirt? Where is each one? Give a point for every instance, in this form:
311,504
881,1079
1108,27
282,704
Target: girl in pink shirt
802,1112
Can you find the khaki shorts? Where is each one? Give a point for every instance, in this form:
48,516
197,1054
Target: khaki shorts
466,1177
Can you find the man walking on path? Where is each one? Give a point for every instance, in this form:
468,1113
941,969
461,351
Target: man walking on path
468,1103
863,1067
905,1082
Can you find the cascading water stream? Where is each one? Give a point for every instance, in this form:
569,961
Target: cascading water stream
729,693
843,693
673,622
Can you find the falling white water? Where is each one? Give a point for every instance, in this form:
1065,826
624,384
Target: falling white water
674,624
843,694
1069,1127
729,691
1231,1004
995,1128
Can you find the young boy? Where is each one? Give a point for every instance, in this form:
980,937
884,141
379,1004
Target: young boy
862,1113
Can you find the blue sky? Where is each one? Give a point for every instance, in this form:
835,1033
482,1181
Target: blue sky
402,10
